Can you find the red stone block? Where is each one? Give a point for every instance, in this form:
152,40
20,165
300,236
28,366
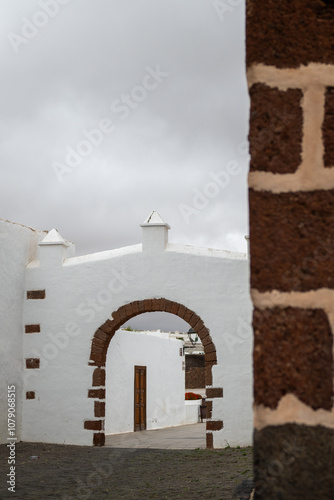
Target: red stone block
96,348
209,348
289,34
293,353
32,328
209,409
198,326
209,440
214,392
208,375
32,363
99,377
100,334
148,305
93,425
97,358
211,356
107,327
99,439
97,393
301,226
188,315
181,311
328,128
99,409
35,294
275,133
194,320
175,308
203,333
214,425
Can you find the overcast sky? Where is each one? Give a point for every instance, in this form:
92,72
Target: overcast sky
113,108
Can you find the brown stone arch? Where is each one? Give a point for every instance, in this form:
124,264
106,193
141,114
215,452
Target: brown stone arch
98,355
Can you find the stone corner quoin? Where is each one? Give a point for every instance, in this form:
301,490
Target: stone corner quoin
290,68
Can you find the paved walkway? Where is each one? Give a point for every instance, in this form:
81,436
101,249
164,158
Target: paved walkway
184,437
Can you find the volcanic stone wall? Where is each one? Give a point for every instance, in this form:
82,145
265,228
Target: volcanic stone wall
290,71
195,371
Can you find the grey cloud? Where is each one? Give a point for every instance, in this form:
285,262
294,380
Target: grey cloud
64,81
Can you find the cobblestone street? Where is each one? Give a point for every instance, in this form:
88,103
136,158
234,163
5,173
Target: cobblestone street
80,472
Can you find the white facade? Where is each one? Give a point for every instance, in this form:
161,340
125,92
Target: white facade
165,381
18,245
81,293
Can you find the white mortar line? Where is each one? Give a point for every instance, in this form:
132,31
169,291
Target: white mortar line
291,410
313,105
292,183
322,298
291,78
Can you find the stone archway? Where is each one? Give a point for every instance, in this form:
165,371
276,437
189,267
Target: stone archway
98,355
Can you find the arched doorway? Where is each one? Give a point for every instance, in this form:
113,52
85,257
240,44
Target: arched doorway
98,354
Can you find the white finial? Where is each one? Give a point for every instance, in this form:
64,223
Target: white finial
154,219
155,233
53,238
52,250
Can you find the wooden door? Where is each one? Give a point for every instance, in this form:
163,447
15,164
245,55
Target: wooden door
140,398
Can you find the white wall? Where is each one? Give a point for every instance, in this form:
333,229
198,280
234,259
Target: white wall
81,294
165,381
192,412
17,248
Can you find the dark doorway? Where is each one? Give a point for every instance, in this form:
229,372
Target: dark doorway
140,398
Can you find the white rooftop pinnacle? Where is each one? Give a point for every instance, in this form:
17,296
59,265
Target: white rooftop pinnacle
154,219
53,238
155,233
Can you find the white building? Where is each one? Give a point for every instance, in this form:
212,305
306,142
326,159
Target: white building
161,360
59,313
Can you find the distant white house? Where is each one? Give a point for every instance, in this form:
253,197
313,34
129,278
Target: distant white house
194,359
161,397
